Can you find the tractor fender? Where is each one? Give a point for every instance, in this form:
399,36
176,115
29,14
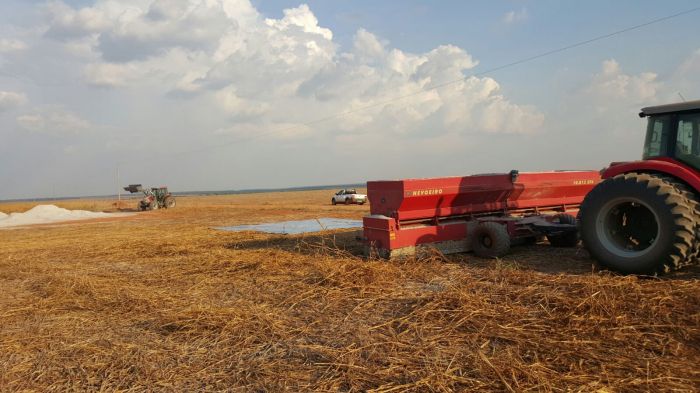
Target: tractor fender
668,167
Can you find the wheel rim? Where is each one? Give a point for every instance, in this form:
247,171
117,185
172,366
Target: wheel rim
486,241
627,227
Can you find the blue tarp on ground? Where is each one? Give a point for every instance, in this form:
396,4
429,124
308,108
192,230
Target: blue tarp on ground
296,227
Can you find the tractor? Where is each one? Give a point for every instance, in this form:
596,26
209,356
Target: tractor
154,197
644,218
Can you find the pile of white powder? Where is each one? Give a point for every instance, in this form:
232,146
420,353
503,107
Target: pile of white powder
46,214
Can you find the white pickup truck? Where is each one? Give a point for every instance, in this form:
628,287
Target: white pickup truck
348,196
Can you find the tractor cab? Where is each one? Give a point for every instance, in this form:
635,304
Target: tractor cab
160,192
673,132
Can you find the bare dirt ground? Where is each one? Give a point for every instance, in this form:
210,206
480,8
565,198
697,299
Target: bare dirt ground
162,302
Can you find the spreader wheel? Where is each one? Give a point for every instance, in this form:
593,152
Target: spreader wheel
490,240
567,239
333,202
639,223
348,201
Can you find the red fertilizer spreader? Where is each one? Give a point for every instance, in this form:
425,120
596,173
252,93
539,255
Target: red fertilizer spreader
482,213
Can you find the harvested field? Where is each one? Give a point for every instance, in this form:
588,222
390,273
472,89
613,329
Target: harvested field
161,301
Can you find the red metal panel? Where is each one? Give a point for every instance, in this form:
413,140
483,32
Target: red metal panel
414,199
384,233
378,231
661,165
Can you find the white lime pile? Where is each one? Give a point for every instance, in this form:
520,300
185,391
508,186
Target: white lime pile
46,214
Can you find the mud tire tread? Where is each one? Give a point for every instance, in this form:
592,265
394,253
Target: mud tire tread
682,246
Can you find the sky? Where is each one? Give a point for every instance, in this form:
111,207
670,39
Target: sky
240,94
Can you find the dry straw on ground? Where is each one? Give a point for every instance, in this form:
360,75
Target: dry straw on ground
163,302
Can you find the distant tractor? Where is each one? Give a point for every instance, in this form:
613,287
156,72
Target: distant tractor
645,217
154,197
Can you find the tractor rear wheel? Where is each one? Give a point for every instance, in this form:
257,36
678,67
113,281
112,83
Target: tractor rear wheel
490,240
639,223
694,201
566,239
169,202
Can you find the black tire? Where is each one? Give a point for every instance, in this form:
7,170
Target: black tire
152,205
639,223
568,239
490,240
169,202
694,202
333,202
347,201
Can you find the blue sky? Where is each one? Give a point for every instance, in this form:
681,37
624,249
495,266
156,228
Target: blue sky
219,95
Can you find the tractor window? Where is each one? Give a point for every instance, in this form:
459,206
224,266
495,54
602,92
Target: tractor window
688,140
657,137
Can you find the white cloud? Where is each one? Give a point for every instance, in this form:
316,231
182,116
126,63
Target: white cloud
300,18
605,108
68,23
108,74
10,100
515,16
54,122
11,45
687,77
246,65
235,105
612,84
612,97
520,119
